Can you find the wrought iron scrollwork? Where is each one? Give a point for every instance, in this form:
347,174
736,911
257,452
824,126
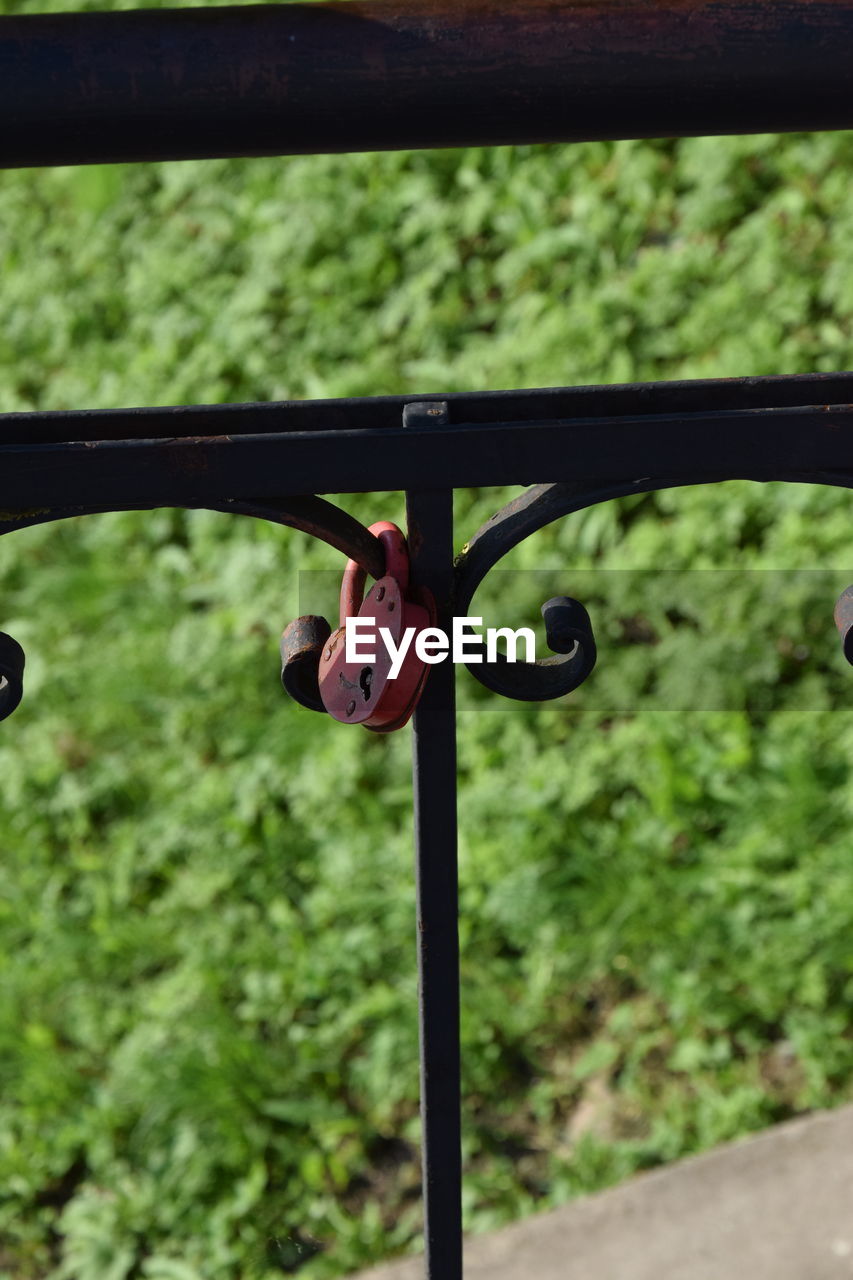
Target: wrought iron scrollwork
11,674
568,627
162,469
311,515
567,620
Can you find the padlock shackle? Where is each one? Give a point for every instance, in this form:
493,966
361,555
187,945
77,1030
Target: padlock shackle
352,591
396,566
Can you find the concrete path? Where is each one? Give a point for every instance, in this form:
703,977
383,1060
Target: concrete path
775,1207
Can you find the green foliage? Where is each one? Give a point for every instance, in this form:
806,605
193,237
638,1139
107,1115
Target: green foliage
207,976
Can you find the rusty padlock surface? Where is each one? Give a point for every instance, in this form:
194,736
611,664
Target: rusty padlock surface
362,692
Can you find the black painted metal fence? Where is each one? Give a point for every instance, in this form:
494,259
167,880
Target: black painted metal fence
371,74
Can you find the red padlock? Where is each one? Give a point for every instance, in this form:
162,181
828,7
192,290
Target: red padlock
363,692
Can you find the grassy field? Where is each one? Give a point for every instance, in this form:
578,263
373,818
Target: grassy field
208,1061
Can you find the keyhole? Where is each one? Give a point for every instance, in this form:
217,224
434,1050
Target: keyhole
365,680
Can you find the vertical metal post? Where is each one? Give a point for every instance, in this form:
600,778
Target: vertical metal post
430,523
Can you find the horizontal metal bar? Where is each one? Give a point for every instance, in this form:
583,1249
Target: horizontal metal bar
386,412
195,471
387,74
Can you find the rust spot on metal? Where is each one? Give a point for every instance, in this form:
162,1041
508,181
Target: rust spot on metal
196,440
189,453
31,514
301,645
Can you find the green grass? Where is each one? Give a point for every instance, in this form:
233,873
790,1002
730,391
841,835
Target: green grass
207,972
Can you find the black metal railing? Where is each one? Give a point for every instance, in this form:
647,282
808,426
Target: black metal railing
310,77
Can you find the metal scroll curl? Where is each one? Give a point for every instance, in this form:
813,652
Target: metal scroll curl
567,624
540,505
568,627
312,515
11,674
